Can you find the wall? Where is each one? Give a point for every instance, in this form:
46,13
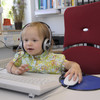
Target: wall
29,11
56,22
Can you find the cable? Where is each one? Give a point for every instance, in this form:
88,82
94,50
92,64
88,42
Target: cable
16,52
17,49
12,64
8,48
5,45
16,61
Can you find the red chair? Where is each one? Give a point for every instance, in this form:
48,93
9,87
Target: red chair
82,33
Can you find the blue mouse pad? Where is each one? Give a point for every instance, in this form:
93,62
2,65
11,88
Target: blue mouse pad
89,82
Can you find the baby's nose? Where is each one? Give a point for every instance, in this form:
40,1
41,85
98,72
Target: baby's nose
29,43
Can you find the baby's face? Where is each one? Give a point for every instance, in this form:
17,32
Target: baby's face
32,42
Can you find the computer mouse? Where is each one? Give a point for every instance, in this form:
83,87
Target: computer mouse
70,82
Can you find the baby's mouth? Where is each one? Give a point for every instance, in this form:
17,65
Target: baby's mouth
30,49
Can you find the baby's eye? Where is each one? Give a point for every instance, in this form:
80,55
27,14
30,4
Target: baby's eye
34,40
26,40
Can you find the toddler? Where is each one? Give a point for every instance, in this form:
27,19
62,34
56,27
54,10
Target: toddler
37,57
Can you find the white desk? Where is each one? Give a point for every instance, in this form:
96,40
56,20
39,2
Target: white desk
76,95
59,94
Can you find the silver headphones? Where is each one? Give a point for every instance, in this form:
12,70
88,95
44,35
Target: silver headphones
46,43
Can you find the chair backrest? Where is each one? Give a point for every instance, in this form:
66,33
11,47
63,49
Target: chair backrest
82,26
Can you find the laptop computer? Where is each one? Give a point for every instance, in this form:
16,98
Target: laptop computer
31,83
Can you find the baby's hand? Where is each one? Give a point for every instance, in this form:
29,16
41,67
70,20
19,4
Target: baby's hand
22,69
76,71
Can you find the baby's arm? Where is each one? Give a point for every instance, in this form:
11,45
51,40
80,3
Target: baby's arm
11,68
73,69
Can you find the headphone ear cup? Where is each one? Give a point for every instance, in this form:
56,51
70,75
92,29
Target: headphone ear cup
21,42
46,44
21,46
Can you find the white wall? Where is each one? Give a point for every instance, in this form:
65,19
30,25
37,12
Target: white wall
29,11
56,22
